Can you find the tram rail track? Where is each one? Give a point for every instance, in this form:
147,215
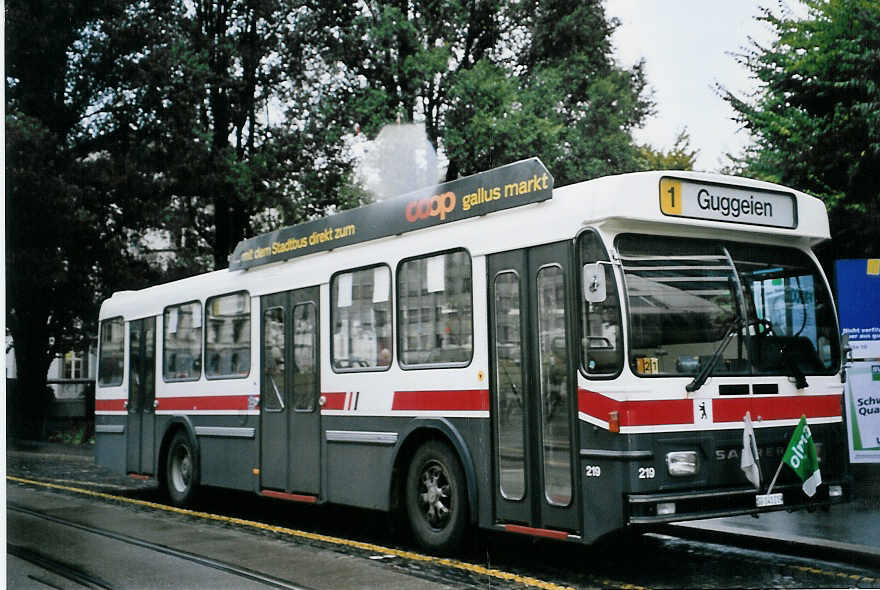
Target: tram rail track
848,569
71,573
368,548
56,567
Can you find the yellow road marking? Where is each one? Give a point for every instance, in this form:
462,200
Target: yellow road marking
813,570
451,563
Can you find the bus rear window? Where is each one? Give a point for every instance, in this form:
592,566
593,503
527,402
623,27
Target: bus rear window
111,357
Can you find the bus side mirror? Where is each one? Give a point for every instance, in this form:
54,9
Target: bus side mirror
594,283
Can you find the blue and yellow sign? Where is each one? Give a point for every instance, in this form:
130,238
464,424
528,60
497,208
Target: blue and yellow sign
858,302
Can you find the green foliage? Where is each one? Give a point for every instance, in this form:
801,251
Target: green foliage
199,123
493,81
574,82
489,122
72,183
126,122
816,116
679,157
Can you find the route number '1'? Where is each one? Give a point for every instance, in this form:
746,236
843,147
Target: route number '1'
670,196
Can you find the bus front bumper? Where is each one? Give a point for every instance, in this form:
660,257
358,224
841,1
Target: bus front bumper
644,509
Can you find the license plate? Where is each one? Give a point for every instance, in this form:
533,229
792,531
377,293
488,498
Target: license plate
768,500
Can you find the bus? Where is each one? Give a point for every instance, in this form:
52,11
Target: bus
494,352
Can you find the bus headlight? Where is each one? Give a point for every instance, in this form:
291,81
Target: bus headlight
682,463
665,508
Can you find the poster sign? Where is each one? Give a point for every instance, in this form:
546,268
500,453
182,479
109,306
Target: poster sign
521,183
858,303
863,411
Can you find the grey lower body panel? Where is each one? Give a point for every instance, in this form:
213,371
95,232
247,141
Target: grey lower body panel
359,454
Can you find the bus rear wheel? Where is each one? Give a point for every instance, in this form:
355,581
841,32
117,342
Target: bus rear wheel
181,470
436,500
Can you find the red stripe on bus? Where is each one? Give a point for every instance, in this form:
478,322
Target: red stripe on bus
110,405
527,530
334,400
290,497
636,413
469,400
776,408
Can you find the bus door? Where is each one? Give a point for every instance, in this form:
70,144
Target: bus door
141,396
290,417
533,383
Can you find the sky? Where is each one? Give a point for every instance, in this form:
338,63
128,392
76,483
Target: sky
686,45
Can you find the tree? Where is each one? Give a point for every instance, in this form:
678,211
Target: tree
265,146
396,60
815,118
131,121
70,201
492,81
569,69
679,157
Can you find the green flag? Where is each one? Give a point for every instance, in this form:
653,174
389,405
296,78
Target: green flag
801,456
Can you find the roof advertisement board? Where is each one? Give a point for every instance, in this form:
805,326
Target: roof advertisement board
513,185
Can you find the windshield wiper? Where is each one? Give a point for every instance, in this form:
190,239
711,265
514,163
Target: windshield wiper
706,370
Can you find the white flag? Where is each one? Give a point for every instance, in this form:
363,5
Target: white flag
749,459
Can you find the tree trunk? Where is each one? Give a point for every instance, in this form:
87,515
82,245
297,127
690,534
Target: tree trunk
32,360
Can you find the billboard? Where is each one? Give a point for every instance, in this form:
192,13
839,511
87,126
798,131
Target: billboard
513,185
863,411
858,300
858,303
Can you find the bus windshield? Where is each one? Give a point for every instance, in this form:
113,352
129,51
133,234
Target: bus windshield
757,309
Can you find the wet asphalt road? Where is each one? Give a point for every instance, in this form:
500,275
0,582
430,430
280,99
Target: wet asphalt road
649,561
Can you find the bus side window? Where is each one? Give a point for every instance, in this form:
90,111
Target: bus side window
434,295
360,312
182,342
110,359
228,336
601,330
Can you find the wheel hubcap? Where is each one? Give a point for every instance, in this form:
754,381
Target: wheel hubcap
181,469
434,498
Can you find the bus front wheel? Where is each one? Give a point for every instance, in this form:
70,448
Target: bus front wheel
182,470
436,498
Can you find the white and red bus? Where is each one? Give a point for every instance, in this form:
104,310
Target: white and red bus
494,352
